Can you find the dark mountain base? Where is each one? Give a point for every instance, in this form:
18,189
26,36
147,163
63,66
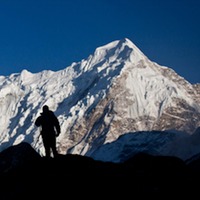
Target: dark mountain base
25,174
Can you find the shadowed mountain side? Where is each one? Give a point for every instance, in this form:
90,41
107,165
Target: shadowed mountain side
24,173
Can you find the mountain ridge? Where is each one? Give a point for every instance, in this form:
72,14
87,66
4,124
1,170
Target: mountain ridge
116,90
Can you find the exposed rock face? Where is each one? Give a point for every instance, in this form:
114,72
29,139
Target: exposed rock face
145,96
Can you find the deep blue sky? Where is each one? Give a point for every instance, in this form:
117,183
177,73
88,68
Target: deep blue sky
51,34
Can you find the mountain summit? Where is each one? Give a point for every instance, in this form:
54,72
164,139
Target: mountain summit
115,91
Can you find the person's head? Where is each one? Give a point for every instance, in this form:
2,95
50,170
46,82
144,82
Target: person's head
45,108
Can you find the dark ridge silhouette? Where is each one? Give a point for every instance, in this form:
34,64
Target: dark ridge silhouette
25,174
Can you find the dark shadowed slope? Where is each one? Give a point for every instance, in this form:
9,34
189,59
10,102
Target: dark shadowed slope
25,174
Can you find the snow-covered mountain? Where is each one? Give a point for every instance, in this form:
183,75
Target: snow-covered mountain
114,92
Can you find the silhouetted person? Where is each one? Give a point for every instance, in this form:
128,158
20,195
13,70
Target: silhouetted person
50,130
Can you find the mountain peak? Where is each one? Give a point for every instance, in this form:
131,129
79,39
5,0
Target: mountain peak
120,44
127,42
116,90
118,51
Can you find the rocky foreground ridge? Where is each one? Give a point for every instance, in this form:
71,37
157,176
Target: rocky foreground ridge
25,174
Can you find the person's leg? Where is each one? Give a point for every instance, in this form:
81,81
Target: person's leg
53,147
47,147
55,153
47,151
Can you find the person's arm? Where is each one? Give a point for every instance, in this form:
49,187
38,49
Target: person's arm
56,124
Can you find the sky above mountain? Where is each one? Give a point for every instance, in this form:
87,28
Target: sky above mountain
51,34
